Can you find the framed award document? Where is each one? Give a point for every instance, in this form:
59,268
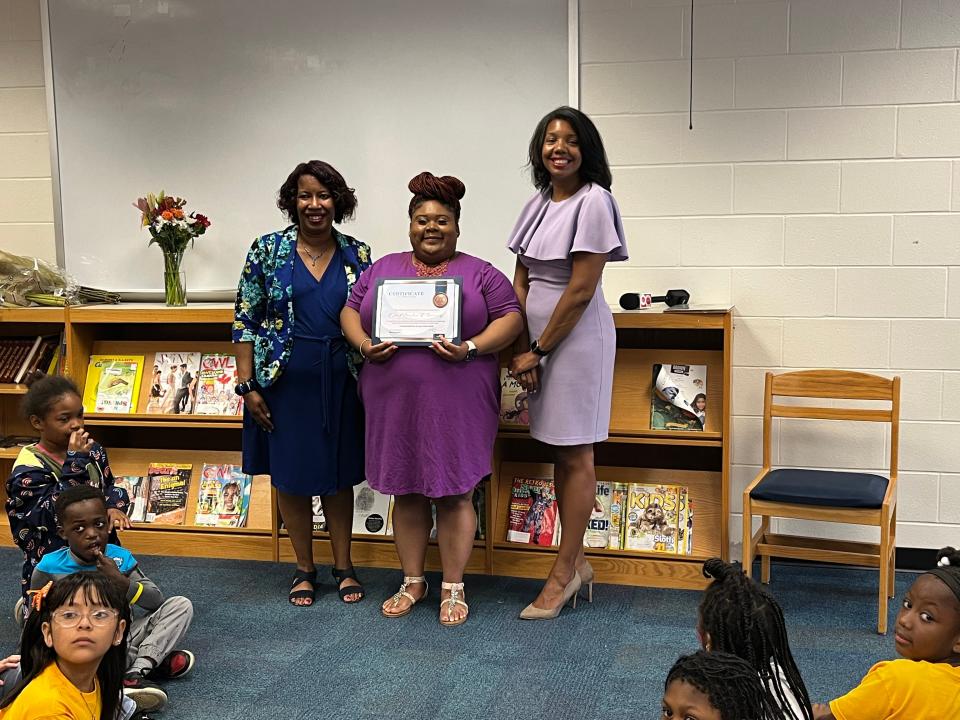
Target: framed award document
417,311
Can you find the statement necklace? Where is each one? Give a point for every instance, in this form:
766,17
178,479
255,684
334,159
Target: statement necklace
424,270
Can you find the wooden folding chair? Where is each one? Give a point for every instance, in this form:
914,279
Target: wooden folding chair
844,497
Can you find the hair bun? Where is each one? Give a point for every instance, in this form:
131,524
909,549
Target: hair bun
948,557
718,569
447,189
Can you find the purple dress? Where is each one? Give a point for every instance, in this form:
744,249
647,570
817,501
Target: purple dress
431,424
576,378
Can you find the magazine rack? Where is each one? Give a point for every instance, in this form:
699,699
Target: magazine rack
634,452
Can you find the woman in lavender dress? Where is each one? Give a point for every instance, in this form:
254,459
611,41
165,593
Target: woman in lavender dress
565,235
432,412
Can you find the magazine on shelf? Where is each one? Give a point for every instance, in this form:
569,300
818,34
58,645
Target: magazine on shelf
685,523
173,383
678,399
169,487
651,520
319,520
619,495
371,510
599,525
223,498
113,383
513,401
137,487
217,379
533,517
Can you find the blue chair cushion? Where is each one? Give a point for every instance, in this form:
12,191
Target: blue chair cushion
822,487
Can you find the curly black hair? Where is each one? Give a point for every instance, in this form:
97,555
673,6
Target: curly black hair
43,391
447,190
75,494
730,684
594,167
742,618
948,569
344,197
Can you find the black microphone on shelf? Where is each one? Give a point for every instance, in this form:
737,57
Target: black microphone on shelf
631,301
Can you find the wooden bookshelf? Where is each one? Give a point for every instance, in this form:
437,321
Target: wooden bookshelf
634,452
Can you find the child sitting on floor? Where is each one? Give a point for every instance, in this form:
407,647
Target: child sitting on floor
738,616
154,637
73,652
925,685
65,456
715,686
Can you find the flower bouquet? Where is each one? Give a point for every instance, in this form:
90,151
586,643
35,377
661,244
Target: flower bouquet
172,229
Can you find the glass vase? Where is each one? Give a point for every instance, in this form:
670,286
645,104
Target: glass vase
174,280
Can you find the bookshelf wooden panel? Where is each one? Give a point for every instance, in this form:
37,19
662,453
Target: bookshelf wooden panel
633,450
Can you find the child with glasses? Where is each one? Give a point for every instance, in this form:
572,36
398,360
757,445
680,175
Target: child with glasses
157,630
74,651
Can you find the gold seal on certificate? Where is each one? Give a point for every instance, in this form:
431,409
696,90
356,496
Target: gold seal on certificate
417,311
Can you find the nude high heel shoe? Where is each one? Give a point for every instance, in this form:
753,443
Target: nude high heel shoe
531,612
586,578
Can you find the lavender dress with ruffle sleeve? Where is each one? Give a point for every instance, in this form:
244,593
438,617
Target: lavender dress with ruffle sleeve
573,405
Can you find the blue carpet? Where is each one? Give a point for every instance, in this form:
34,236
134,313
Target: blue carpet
258,657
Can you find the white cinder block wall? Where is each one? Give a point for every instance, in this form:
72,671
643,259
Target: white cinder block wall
26,205
819,191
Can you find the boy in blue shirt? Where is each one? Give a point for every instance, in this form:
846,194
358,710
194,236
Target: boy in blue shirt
154,635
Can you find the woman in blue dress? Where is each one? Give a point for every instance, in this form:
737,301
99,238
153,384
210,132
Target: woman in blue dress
302,418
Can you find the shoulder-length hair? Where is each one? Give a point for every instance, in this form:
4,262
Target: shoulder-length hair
594,167
344,197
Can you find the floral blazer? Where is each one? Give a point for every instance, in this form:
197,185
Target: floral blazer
264,308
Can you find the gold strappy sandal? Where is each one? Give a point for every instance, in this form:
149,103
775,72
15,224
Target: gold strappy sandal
402,593
456,591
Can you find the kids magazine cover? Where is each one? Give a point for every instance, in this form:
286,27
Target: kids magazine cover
678,399
533,512
223,498
218,377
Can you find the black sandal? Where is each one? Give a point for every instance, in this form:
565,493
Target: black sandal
302,576
348,574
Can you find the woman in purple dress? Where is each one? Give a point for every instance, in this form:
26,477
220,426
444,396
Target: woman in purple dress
564,237
432,412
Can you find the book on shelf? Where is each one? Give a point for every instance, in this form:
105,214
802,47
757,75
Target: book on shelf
13,351
513,401
173,383
599,523
216,381
18,441
223,497
678,399
138,490
21,357
659,518
169,487
113,383
371,510
533,517
619,496
319,519
18,376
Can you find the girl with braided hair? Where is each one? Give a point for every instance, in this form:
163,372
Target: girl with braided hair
715,686
925,683
738,616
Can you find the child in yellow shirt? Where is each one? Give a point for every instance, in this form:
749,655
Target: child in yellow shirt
925,685
73,652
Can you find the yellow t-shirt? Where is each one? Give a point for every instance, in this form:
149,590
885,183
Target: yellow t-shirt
50,696
903,690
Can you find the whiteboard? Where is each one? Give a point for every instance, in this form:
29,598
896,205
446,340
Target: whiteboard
217,101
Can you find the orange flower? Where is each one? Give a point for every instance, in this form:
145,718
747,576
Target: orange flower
166,215
178,213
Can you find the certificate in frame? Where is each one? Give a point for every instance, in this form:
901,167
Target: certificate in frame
417,312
